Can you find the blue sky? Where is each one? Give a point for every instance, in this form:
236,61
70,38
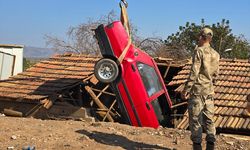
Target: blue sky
27,21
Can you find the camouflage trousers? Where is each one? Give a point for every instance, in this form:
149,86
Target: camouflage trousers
201,112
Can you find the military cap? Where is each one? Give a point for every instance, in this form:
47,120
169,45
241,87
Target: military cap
206,32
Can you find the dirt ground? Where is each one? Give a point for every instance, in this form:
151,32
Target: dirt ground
17,133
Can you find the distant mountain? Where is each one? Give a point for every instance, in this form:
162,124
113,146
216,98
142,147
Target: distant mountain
36,52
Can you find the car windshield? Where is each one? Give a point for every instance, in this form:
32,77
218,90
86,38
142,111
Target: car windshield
150,78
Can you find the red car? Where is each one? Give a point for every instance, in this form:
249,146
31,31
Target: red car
136,81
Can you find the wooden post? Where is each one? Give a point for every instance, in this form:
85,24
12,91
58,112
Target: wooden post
102,91
98,102
166,72
34,110
9,112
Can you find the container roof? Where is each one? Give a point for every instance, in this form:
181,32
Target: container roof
12,45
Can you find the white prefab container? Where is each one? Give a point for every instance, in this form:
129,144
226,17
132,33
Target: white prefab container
11,60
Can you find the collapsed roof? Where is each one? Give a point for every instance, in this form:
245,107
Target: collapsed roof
45,80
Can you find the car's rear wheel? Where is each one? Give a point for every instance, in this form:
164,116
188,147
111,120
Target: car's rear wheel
106,70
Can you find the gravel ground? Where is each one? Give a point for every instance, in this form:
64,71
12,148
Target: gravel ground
17,133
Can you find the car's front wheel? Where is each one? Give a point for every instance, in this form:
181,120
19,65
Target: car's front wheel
106,70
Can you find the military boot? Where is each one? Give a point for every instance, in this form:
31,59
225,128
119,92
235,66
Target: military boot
197,146
210,146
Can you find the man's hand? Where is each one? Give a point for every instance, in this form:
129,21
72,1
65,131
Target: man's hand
184,95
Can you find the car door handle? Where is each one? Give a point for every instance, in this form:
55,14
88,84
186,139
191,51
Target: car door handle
133,67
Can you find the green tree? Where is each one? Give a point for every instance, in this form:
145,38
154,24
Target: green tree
27,64
224,41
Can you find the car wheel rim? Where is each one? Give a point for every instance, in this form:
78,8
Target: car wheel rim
106,71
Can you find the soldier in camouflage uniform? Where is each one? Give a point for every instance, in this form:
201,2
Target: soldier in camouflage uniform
199,86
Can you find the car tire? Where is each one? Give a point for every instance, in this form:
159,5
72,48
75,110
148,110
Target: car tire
106,70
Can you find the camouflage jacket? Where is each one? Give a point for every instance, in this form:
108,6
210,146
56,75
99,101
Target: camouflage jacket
204,70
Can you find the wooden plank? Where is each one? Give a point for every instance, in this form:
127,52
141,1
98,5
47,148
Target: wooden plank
166,72
108,93
104,89
109,110
87,78
94,80
180,104
48,104
33,111
186,124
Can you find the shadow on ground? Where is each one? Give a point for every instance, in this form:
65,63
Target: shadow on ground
118,140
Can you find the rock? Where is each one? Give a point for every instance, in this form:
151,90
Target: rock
13,137
160,145
66,145
134,133
182,136
176,141
161,133
96,124
33,138
118,133
85,137
230,143
10,148
111,128
160,128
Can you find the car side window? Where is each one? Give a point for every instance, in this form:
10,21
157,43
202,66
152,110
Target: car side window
150,78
